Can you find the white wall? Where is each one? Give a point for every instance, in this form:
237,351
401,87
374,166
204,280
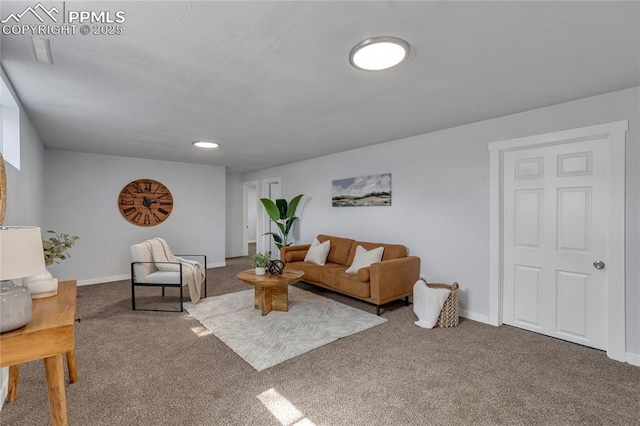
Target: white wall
440,190
25,186
24,195
81,193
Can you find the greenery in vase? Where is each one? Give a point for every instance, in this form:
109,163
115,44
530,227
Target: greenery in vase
261,260
284,215
57,246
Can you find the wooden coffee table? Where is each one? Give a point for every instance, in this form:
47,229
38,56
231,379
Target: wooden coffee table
271,291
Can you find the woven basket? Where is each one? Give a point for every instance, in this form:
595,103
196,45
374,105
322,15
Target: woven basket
449,313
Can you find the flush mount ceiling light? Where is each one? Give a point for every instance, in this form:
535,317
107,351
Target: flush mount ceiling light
206,144
41,49
379,53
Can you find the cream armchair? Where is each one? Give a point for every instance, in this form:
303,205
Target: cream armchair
145,273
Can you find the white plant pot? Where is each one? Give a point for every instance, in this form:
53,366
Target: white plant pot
260,271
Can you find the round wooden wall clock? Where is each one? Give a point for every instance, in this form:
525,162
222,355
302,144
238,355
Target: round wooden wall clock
145,202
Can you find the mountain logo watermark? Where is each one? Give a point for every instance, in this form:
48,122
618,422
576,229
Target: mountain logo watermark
34,11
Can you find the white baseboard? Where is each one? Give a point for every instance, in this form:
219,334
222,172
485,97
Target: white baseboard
633,359
474,316
102,280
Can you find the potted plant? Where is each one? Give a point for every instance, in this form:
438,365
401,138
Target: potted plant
56,247
283,213
260,261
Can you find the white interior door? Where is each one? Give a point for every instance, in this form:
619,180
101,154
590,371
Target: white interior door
556,223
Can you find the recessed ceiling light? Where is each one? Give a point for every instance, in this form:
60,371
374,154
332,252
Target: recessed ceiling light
379,53
205,144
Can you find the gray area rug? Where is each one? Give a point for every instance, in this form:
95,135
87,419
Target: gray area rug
264,341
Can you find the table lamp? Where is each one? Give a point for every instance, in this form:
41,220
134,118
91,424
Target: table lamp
21,255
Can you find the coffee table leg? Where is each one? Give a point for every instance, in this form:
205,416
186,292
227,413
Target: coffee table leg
263,299
280,299
258,297
55,386
267,300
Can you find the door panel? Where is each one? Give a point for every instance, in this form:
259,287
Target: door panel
555,227
527,296
574,208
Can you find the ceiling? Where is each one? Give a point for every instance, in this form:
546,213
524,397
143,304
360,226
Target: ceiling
271,81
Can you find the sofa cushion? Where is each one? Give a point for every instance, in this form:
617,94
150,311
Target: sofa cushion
329,276
340,248
350,284
311,272
295,256
391,251
364,274
318,252
364,258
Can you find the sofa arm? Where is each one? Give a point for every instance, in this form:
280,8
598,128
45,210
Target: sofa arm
287,249
394,278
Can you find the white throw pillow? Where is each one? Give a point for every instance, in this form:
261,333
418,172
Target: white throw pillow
318,252
427,303
364,258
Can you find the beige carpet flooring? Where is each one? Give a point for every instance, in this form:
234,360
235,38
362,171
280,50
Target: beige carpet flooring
150,368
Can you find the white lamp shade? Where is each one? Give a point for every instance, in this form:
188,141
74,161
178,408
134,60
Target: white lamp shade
21,253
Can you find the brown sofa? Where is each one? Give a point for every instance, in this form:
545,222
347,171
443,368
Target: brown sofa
388,280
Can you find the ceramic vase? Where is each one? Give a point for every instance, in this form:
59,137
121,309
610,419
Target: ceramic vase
15,306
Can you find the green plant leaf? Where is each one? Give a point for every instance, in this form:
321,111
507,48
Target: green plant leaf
289,224
271,209
293,205
276,237
282,208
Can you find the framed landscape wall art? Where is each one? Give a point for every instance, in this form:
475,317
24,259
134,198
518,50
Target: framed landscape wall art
374,190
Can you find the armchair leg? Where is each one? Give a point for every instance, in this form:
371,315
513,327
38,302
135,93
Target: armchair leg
162,291
181,307
133,289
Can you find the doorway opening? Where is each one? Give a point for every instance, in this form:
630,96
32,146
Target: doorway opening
249,217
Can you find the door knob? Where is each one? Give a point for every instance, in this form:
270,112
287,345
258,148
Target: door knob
598,264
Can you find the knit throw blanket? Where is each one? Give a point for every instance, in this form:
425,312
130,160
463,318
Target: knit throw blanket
192,271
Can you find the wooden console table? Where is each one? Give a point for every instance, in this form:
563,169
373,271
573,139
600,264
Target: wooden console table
49,335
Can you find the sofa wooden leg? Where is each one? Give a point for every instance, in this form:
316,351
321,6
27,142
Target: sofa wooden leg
378,310
406,301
